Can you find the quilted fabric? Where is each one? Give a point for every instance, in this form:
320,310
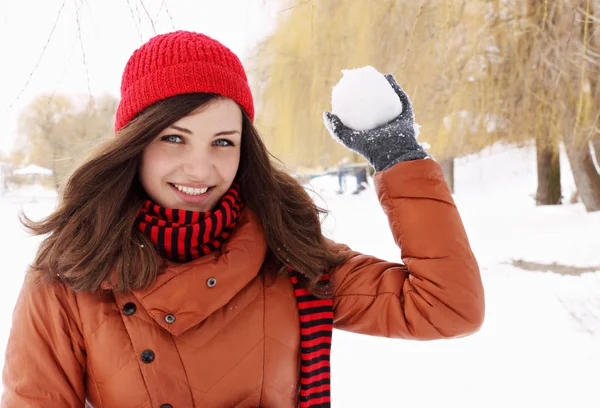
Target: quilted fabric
223,330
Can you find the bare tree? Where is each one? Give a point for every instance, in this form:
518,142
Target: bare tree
61,130
576,132
42,122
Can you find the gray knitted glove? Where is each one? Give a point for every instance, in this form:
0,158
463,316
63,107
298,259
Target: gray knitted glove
385,145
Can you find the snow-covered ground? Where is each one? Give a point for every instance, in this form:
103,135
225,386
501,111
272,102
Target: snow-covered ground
540,343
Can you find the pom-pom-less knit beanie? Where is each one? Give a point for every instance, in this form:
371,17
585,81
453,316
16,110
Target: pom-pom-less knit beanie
177,63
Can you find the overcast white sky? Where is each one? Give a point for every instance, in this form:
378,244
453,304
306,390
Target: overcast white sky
110,30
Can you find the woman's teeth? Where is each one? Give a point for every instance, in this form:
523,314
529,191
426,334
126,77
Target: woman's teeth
190,190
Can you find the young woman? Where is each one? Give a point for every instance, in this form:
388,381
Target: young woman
181,268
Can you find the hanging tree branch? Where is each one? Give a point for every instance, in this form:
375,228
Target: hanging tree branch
40,57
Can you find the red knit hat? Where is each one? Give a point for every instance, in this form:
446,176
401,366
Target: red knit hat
177,63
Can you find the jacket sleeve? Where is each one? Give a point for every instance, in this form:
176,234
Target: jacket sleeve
437,291
45,357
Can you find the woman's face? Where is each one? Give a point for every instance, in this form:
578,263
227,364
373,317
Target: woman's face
192,163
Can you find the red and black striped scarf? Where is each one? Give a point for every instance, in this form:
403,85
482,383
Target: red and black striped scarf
181,235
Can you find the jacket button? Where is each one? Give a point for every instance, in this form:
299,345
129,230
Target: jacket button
166,406
211,282
170,318
147,356
129,308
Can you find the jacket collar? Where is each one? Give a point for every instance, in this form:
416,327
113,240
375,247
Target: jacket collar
183,290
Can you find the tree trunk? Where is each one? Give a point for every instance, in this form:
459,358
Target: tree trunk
585,173
54,171
548,173
448,170
596,149
587,179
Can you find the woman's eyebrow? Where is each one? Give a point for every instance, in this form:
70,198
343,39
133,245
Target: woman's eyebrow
189,132
184,130
227,132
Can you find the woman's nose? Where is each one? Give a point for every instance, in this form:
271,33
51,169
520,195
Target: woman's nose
197,164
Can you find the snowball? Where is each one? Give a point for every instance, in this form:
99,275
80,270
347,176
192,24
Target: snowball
364,99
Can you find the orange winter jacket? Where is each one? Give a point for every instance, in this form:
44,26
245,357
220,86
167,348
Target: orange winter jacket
185,343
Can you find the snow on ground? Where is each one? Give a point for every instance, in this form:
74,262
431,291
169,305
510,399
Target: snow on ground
540,343
17,248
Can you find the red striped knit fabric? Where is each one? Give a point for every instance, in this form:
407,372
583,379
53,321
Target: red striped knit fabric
182,235
316,326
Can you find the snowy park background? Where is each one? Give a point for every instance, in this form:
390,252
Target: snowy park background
540,343
479,85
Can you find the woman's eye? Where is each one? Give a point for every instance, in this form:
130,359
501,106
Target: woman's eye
172,139
223,142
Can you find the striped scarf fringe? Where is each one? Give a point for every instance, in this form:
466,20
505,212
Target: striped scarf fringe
316,327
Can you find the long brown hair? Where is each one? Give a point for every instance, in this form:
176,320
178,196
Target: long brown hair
92,233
